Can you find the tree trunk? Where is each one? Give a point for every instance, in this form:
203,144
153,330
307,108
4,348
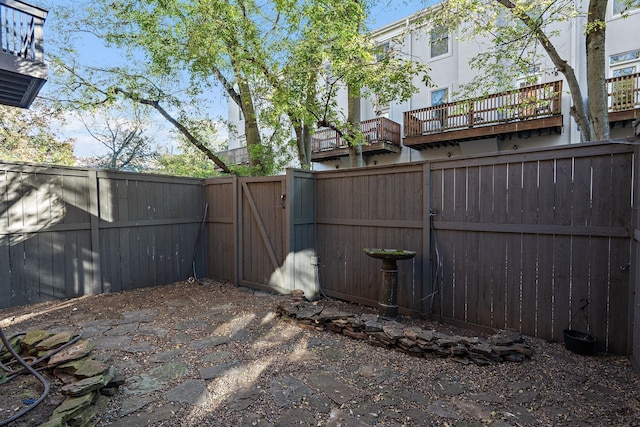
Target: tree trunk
303,144
578,109
251,130
596,66
353,134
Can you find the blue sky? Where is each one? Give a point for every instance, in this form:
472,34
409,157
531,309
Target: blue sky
93,53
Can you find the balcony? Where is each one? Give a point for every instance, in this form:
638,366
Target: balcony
235,156
521,111
624,99
381,134
22,67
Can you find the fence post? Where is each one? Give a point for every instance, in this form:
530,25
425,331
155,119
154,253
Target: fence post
634,273
95,287
426,234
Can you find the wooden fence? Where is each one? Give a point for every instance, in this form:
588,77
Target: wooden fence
521,240
66,232
518,240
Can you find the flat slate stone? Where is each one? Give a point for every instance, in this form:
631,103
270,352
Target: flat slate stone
243,399
72,406
419,398
296,417
34,337
335,389
84,368
133,404
193,392
485,397
93,323
289,390
308,312
154,332
73,352
165,356
142,347
519,415
209,342
341,418
419,417
447,387
156,378
375,373
220,370
145,315
54,341
94,331
88,384
443,409
111,343
123,329
474,410
148,418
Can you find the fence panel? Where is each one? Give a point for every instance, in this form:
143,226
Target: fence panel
67,232
558,229
382,207
222,217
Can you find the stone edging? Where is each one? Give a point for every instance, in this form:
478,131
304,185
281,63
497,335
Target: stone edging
505,345
86,379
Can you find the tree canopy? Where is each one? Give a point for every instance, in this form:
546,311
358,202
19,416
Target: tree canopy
281,62
28,136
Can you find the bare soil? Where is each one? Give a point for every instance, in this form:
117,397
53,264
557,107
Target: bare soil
265,354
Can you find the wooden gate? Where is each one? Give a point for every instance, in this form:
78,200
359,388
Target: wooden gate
261,232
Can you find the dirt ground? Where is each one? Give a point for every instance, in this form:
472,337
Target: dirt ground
253,368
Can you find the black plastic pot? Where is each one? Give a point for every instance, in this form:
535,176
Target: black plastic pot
579,342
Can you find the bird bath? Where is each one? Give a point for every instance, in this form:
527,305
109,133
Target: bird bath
388,299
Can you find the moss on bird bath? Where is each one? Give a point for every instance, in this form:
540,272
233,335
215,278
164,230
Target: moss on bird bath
396,254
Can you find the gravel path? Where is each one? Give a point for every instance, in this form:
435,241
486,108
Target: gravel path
217,355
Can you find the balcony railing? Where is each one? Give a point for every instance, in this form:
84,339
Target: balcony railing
528,103
378,130
22,67
21,29
624,93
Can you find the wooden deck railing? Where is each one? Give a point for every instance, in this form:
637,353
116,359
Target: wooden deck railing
21,29
624,92
527,103
375,130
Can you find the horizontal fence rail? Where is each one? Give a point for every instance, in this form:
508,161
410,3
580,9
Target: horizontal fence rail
528,103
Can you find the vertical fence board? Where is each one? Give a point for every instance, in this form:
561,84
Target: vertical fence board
562,269
618,310
5,271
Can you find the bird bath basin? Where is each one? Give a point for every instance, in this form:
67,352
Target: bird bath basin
388,299
389,254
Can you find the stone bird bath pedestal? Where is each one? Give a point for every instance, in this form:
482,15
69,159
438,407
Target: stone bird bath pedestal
388,297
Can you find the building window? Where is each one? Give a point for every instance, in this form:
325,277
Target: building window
439,96
619,7
533,76
625,57
440,115
382,51
240,115
439,42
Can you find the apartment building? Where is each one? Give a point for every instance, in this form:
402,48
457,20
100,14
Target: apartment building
435,124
